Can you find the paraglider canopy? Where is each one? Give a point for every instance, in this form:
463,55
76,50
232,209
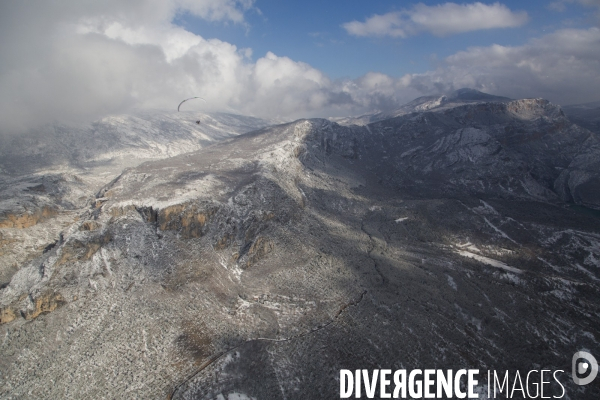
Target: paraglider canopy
191,98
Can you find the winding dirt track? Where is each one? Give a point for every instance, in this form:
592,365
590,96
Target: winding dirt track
214,358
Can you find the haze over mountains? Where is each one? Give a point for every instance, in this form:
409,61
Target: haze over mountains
59,168
256,260
425,103
586,115
116,140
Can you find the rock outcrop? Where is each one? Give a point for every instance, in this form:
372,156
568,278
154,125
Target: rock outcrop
456,237
27,219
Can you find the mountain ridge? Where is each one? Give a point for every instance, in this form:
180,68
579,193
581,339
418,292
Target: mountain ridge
263,264
425,103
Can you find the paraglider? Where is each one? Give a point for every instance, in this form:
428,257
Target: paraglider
191,98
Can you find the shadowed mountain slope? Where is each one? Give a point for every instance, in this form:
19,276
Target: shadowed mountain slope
47,176
260,266
426,103
586,115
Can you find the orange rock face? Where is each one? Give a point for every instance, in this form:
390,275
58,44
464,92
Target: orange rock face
45,303
21,221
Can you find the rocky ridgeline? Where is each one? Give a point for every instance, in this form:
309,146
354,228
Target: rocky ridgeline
522,149
51,175
263,264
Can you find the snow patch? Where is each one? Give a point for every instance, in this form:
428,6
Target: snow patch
468,246
451,282
489,261
485,208
235,396
554,267
411,151
587,272
504,235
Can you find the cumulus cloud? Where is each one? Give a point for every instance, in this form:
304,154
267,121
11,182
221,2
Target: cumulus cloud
562,67
440,20
82,60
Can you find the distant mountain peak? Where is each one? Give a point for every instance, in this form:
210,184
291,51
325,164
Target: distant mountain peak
468,94
438,102
443,101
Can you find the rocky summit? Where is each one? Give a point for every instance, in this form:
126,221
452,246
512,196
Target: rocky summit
465,235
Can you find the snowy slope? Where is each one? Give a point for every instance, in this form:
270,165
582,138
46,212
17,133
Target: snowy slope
119,139
261,265
264,264
49,173
426,103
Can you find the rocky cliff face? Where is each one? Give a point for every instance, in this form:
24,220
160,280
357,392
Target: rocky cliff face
262,265
48,176
525,149
428,103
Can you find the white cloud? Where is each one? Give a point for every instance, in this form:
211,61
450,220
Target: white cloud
390,24
440,20
80,61
562,67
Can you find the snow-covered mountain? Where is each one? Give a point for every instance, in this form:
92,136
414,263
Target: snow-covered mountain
119,140
49,174
586,115
425,103
258,267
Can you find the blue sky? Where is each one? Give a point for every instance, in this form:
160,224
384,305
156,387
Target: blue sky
312,32
84,59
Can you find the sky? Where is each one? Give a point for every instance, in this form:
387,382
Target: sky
79,60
